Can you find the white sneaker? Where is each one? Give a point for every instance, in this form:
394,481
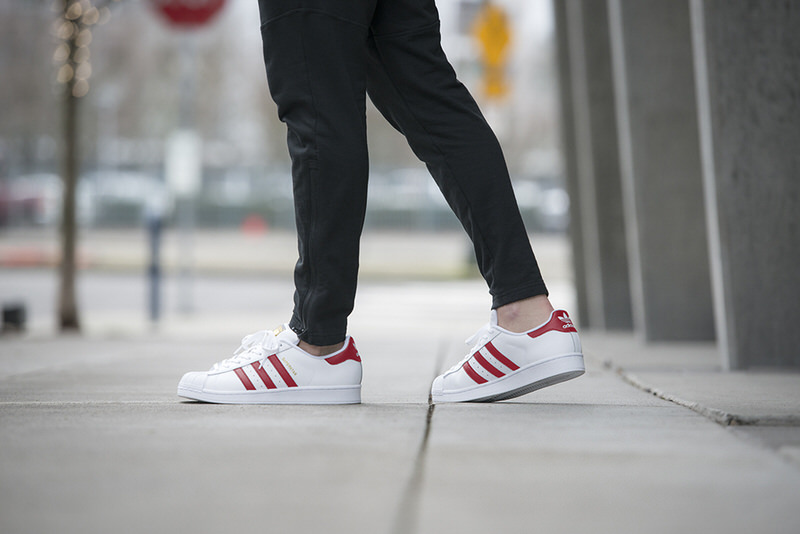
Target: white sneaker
503,365
269,368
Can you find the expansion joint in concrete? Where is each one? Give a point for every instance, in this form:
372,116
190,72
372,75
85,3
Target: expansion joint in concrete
407,517
718,416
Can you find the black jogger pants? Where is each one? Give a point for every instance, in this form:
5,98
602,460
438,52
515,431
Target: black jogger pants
322,58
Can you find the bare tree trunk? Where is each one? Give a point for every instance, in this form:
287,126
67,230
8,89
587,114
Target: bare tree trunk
77,17
67,302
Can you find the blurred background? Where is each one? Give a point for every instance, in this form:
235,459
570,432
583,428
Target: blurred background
175,124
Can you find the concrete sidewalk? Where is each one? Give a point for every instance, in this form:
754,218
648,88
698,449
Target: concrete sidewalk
94,439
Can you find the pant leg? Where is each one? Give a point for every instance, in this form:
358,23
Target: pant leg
315,55
414,86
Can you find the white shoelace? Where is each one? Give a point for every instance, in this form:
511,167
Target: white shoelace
263,342
476,341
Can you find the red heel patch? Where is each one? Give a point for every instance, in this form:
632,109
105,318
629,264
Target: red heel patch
349,353
559,322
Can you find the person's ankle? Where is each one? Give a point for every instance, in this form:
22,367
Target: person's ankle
525,314
320,350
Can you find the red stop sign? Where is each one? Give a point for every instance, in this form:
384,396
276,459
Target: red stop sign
189,13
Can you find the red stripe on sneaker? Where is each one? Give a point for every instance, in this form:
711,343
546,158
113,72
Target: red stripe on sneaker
473,375
500,358
276,363
559,322
488,366
262,374
349,353
243,377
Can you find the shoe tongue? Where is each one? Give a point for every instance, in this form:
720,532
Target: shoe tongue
493,318
286,334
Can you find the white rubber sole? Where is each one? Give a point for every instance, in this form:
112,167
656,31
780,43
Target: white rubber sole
535,376
297,395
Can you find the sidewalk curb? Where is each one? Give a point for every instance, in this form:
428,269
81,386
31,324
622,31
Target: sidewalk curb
720,417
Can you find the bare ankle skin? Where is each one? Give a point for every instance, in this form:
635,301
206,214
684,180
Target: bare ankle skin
525,314
320,350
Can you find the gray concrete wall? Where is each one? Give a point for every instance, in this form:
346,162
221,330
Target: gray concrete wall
747,59
596,184
661,170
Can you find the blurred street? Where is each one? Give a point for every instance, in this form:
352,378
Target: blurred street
239,281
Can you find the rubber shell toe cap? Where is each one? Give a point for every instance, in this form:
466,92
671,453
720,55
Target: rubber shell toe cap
194,381
438,386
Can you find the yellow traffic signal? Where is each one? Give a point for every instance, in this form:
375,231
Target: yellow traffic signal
492,31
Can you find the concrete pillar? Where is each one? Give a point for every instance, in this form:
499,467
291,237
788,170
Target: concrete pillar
570,164
595,185
747,66
661,170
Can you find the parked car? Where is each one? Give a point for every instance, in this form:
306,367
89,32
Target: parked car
118,198
32,199
121,198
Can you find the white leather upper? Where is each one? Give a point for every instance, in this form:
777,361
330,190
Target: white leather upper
518,349
279,356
